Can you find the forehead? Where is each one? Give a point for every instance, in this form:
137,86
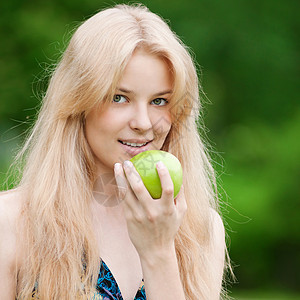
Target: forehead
146,71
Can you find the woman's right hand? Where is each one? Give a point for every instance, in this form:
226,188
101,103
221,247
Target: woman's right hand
152,226
152,223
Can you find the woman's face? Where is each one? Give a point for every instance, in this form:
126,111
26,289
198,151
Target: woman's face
138,117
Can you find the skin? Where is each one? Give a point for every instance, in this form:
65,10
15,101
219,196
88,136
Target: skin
135,233
140,112
152,226
10,209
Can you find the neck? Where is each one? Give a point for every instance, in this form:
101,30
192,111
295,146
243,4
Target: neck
105,189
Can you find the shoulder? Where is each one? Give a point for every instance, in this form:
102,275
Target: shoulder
10,210
217,234
218,231
217,254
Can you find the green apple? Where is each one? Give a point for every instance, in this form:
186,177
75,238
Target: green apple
145,163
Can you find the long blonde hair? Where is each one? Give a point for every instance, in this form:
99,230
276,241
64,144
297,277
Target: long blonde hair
60,171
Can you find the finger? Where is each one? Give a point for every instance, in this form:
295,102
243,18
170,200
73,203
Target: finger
121,181
180,201
136,184
167,185
125,191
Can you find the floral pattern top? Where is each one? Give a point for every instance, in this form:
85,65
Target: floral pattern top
107,288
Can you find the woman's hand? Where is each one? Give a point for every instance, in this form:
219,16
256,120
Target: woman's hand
152,223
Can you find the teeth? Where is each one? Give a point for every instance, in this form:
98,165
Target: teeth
133,144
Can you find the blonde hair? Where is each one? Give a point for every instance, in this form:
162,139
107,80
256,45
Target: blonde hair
60,171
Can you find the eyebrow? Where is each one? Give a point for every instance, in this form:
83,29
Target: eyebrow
124,90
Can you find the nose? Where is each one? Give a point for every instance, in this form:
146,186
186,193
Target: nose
140,120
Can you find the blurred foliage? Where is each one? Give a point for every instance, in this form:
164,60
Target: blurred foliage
249,57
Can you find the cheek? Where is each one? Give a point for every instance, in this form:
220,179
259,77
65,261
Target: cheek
162,124
105,122
114,118
90,126
97,128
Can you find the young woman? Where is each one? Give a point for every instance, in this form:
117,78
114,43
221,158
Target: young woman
81,224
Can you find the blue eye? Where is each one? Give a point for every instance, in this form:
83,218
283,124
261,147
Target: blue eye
119,99
160,101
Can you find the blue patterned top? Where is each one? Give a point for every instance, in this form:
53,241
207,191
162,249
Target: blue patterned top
107,287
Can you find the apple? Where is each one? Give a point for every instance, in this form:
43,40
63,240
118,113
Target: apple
145,164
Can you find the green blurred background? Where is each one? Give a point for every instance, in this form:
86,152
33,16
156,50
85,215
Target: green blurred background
248,53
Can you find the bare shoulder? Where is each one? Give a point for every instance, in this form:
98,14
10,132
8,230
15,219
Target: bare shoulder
10,210
217,236
217,253
217,227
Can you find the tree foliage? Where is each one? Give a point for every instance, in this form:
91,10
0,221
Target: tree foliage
249,63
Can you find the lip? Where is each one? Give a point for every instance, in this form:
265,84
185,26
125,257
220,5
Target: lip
136,141
132,151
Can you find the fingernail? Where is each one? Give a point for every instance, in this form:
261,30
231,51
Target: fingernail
117,167
160,165
127,164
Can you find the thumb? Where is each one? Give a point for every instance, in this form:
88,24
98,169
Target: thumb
120,180
180,201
